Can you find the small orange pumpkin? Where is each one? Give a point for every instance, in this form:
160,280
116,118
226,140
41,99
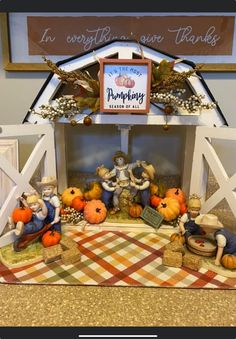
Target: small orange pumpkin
23,214
69,194
177,237
153,188
78,204
169,208
95,212
155,200
51,238
229,261
94,191
135,210
183,208
176,193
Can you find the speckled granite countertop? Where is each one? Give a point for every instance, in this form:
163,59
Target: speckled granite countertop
41,305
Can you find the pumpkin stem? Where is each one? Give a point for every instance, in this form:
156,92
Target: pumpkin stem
98,210
177,191
164,205
72,192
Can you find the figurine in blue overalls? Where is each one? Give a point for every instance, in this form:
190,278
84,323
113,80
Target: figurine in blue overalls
226,240
48,186
141,178
108,186
39,214
187,224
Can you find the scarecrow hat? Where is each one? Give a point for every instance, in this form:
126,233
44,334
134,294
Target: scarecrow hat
209,221
47,181
150,170
120,154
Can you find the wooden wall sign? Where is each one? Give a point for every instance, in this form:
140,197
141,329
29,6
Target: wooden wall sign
125,85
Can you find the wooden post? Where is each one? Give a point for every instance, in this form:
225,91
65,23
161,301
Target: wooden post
124,138
188,158
60,147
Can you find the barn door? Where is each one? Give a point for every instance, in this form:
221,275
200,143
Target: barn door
41,157
215,153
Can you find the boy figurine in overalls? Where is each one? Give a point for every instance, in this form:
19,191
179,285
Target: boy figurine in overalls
141,178
108,186
187,224
226,240
39,213
47,186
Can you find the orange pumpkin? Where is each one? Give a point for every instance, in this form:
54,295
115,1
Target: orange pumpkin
135,210
169,208
95,212
119,80
155,200
69,194
176,193
229,261
94,192
23,214
129,83
153,189
51,238
78,204
183,208
177,237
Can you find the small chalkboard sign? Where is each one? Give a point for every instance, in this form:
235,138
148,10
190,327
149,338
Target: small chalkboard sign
152,217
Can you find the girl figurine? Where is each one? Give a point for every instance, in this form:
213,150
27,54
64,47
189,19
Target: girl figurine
141,178
48,186
187,224
108,186
39,214
226,240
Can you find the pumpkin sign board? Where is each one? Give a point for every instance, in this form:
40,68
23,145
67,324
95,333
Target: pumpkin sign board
125,85
152,217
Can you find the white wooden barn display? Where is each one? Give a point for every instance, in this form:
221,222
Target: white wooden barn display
203,125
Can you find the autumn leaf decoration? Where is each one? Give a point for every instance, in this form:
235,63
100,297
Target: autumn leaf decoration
165,78
79,79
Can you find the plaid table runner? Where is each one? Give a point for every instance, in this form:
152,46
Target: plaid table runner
114,258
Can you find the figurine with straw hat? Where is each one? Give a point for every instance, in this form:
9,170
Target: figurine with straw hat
187,223
141,178
108,186
226,240
47,186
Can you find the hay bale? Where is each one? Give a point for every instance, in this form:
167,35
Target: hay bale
175,246
192,261
67,243
52,253
70,256
171,258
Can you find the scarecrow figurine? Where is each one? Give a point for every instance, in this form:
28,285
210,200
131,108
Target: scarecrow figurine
121,172
141,178
48,186
187,224
226,240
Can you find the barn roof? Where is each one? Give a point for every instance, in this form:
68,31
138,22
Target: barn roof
128,49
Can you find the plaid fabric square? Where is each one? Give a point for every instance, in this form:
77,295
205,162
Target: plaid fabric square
115,258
